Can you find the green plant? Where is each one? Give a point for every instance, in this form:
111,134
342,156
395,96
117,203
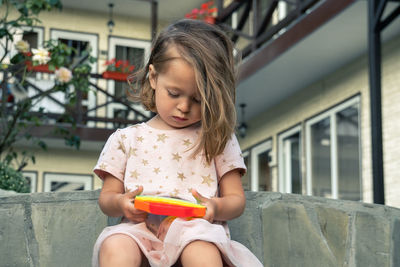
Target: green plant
17,120
27,14
11,179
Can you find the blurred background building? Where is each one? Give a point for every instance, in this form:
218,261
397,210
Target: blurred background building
303,99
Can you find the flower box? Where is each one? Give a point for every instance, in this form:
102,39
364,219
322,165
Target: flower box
115,75
38,68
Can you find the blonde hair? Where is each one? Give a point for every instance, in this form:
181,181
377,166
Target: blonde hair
209,50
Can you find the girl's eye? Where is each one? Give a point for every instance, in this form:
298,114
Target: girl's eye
197,100
171,94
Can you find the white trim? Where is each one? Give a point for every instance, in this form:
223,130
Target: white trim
33,177
85,179
334,157
308,161
285,182
255,151
38,30
335,109
288,166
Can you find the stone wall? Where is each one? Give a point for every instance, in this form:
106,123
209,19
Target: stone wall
295,230
59,229
49,229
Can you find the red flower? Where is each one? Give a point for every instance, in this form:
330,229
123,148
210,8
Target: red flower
205,13
122,66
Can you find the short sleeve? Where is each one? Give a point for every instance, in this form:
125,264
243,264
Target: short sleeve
230,159
112,159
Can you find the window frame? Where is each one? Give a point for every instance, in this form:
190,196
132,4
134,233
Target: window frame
93,40
248,172
48,177
113,41
33,176
331,114
265,146
285,183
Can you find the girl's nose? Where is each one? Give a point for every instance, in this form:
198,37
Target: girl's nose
184,105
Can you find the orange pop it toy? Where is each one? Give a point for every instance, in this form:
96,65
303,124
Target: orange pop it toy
169,206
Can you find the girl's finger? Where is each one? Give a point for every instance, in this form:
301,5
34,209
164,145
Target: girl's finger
133,194
198,196
138,190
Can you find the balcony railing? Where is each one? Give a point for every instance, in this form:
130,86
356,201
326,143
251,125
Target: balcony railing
252,23
97,109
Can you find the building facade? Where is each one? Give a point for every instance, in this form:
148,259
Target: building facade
308,128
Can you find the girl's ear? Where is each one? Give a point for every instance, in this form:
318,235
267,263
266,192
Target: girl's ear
152,76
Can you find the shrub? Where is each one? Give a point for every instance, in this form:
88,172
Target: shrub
10,179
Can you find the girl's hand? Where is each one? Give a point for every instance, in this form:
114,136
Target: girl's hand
126,202
209,203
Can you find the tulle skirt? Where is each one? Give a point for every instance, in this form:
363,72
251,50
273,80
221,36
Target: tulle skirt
180,233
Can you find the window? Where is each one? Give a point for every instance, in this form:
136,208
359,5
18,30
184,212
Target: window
135,57
78,45
290,178
61,182
31,177
34,37
333,153
260,167
81,42
246,178
136,52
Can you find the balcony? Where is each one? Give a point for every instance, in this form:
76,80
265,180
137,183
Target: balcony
277,39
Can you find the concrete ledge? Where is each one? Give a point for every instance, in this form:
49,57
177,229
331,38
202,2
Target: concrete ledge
59,229
49,229
295,230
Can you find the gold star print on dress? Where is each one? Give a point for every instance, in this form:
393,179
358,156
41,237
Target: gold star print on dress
121,147
103,166
176,156
207,180
181,176
134,174
132,152
187,142
162,137
176,192
168,162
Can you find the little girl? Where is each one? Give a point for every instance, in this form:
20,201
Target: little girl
187,151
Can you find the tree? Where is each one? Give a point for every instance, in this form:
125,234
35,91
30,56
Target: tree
17,118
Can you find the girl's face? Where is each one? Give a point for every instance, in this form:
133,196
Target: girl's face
176,95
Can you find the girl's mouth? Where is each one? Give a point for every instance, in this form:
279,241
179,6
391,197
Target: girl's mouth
180,119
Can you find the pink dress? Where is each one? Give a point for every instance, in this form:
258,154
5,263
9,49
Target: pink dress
162,162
